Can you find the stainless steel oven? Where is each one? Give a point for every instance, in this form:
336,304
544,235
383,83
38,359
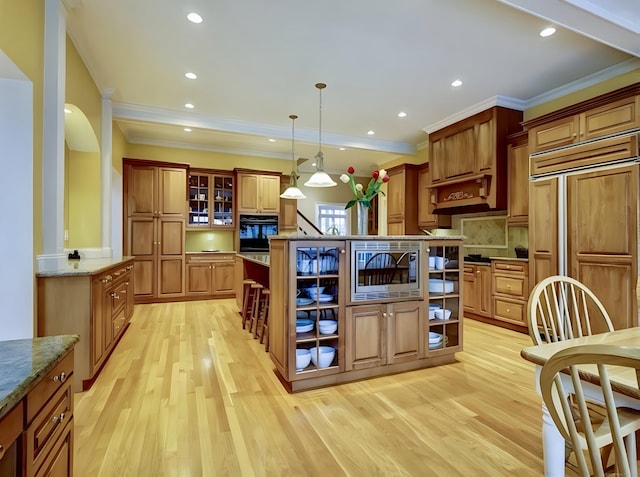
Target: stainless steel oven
255,231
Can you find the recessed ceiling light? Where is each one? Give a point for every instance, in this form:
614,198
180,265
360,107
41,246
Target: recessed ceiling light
370,132
191,75
194,17
547,32
402,114
456,83
342,148
67,111
272,140
189,105
187,129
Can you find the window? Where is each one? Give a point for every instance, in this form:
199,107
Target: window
333,219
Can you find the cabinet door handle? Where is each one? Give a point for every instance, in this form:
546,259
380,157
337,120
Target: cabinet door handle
58,419
115,296
2,450
62,377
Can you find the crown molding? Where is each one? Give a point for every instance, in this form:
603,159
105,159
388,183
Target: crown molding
136,112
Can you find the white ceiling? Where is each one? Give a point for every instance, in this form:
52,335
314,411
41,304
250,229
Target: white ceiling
257,62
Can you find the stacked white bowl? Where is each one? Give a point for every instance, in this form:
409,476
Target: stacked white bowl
303,357
327,327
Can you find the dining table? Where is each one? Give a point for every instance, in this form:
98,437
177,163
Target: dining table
624,382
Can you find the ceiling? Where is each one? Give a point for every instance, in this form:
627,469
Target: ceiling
257,62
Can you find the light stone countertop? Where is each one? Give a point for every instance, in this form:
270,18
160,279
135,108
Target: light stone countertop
85,266
259,258
24,362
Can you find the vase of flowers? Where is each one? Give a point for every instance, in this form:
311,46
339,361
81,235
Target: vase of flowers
362,196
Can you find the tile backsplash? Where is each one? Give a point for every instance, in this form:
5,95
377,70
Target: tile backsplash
490,232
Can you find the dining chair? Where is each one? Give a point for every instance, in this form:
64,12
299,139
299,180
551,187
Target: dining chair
590,431
381,269
562,308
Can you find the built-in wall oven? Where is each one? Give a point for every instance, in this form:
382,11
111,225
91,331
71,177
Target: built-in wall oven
255,231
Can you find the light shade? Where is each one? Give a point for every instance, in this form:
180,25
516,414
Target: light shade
320,179
293,192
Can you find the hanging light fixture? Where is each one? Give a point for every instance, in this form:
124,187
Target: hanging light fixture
320,178
292,191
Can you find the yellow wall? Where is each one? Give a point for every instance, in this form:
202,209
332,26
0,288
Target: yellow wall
584,94
84,200
22,39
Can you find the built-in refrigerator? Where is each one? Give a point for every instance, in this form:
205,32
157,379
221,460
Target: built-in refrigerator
583,223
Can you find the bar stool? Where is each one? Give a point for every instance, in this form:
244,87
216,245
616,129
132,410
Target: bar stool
254,299
256,310
246,301
264,323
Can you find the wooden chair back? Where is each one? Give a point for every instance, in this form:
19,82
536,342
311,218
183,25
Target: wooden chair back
561,308
585,429
381,269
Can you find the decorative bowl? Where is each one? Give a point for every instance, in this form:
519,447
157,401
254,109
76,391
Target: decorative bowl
303,357
322,356
327,327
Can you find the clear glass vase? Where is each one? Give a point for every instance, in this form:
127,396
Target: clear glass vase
363,218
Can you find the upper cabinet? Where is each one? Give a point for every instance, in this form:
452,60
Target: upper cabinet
427,220
574,126
468,161
258,193
155,191
402,206
518,183
211,196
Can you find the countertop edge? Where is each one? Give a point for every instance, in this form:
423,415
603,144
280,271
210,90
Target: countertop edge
23,388
90,266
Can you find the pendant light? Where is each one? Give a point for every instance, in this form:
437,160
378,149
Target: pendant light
292,191
320,178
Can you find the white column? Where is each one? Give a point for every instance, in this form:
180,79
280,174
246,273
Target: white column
16,241
105,172
53,137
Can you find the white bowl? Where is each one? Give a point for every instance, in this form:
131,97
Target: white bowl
327,327
322,356
443,313
303,357
432,310
313,291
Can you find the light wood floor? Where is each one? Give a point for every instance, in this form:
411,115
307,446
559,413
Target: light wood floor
187,392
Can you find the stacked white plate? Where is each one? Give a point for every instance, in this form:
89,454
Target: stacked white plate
304,326
436,340
440,286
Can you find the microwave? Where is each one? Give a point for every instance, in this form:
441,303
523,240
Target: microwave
381,270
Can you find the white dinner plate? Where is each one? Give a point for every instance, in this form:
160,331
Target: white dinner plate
303,301
324,298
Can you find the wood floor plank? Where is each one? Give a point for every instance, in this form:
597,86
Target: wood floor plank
187,392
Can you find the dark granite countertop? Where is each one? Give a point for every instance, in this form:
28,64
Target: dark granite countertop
24,362
84,266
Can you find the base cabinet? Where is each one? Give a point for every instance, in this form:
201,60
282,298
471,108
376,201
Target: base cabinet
210,275
384,334
97,307
510,291
477,290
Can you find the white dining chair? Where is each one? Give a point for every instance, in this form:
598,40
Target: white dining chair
589,428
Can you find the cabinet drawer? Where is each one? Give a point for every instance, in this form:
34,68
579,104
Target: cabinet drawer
48,426
54,380
513,286
513,267
11,426
117,324
512,311
211,258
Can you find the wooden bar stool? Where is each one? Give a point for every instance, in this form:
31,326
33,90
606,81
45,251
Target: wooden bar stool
246,301
264,319
254,311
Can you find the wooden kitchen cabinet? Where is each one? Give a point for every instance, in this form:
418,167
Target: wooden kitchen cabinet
468,160
477,290
96,306
154,231
518,184
596,120
402,204
510,292
210,275
383,334
211,198
258,193
427,220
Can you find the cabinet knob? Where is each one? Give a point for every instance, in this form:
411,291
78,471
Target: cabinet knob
508,310
62,377
343,251
384,315
115,296
58,419
478,271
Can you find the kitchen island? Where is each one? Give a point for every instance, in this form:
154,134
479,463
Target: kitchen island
36,406
349,308
253,266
